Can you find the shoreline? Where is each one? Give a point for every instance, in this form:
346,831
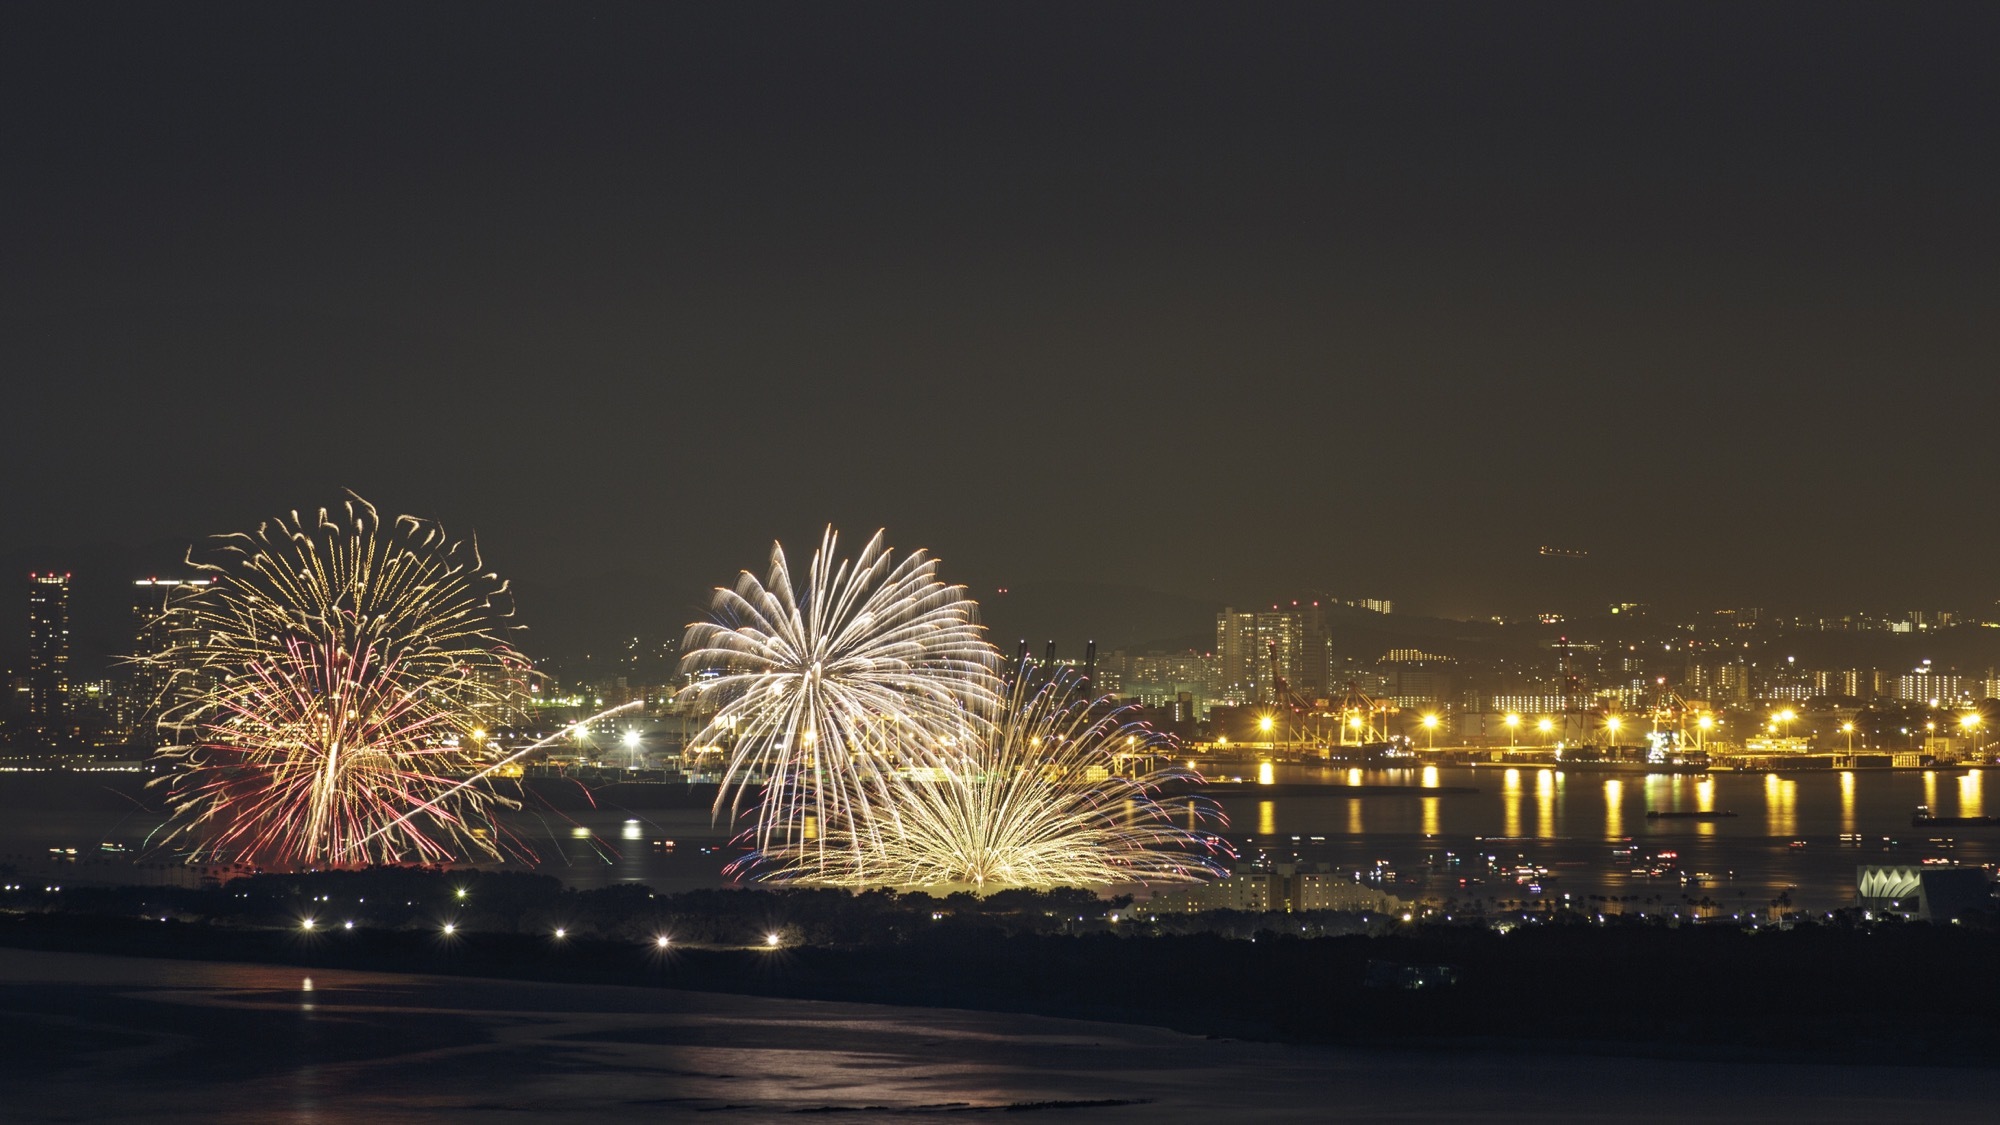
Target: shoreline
1551,992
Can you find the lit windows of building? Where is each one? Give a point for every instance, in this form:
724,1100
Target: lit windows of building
48,648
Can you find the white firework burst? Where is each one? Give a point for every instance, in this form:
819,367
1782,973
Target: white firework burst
824,689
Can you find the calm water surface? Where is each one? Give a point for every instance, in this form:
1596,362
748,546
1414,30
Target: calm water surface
1568,821
121,1039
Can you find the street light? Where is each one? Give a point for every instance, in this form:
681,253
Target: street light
1430,729
1513,722
1611,725
1783,723
1847,728
1545,726
632,740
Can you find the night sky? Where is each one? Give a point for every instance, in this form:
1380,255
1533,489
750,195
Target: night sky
1224,302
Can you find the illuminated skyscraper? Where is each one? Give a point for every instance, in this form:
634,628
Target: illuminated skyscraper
1236,650
165,635
48,648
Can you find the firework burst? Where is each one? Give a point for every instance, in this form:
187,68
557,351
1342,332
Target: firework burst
326,713
825,688
1048,797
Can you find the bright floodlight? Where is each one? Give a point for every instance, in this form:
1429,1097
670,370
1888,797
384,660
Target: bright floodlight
1545,726
632,739
305,923
770,939
1264,724
662,941
1969,721
450,928
561,933
1612,724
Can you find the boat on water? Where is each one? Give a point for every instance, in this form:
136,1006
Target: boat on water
1925,818
1670,814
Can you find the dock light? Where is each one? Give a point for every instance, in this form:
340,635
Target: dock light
1264,724
1707,722
1613,723
662,942
561,933
305,923
450,928
771,940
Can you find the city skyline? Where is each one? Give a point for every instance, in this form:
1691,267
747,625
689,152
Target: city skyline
1429,558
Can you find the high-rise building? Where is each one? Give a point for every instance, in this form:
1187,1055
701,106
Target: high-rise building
1236,653
48,648
1279,640
1252,648
1923,685
165,635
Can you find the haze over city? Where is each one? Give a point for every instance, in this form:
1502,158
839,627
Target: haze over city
1432,561
1164,299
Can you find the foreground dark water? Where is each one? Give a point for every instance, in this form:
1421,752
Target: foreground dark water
95,1038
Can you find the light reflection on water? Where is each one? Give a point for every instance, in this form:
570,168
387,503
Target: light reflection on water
221,1044
1781,804
1545,803
1572,823
610,845
1510,787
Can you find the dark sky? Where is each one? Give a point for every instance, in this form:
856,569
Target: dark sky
1223,301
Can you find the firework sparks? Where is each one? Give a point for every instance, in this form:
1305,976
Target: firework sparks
873,663
325,714
1050,796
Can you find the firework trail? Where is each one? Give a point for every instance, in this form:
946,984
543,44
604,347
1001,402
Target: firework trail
1038,801
823,689
329,711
